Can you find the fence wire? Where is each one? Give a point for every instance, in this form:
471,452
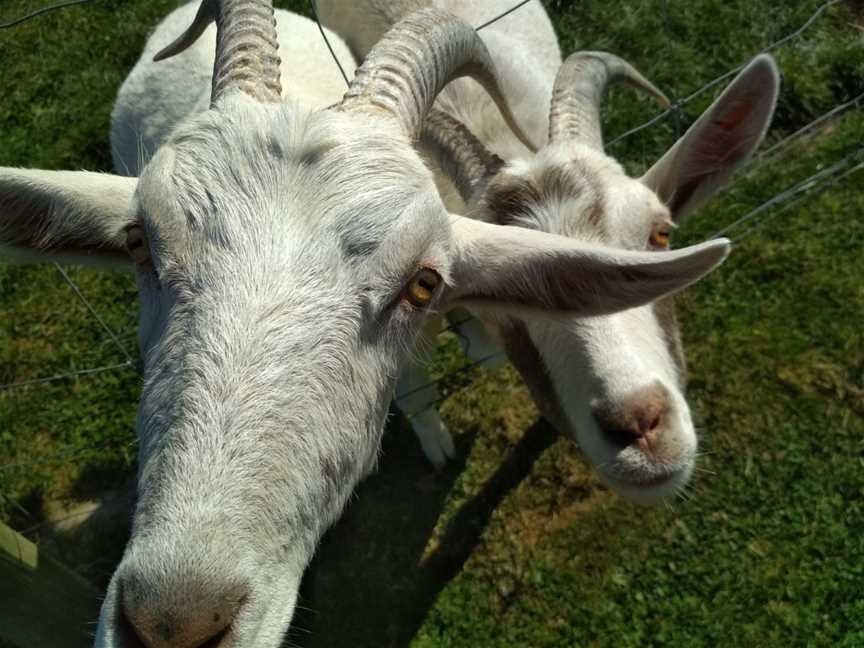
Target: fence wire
754,219
677,105
65,376
823,120
826,177
42,11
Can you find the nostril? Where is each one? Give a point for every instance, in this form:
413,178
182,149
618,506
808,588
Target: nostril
216,641
637,420
622,437
651,423
128,632
163,635
150,621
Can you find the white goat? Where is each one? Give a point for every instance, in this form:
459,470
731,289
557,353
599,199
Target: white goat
286,259
614,383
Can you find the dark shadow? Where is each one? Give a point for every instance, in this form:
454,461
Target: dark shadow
26,511
367,585
88,533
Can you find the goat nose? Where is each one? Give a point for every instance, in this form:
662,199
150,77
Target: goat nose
191,619
636,420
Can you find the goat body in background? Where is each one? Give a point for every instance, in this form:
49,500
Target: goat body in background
286,257
614,383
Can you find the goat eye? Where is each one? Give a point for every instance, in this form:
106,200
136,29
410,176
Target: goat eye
136,245
660,239
421,289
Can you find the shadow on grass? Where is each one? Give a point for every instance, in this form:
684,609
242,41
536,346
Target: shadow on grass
91,535
368,585
87,531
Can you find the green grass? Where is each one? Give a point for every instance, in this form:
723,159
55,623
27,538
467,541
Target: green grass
516,543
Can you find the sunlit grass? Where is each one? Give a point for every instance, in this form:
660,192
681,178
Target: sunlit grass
517,544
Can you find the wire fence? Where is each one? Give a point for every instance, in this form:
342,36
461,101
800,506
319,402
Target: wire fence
678,104
41,12
739,229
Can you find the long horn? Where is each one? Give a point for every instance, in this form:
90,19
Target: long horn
578,93
459,154
412,63
247,50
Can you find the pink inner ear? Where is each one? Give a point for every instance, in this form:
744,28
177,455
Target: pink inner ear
726,141
721,146
719,142
738,112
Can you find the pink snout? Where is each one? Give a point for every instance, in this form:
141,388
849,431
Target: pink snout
644,421
193,613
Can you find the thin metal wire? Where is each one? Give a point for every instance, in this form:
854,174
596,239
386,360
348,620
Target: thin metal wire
71,374
676,106
807,193
822,119
670,38
797,189
791,197
314,4
717,80
93,312
773,46
43,10
500,16
69,453
663,115
339,64
456,372
454,326
5,501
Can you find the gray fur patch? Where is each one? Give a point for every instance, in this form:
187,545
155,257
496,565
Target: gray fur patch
513,198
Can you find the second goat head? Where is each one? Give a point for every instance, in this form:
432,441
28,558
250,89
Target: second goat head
615,383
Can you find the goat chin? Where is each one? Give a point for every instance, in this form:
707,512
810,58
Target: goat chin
572,188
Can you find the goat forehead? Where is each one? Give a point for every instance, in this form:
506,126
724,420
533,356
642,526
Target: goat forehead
634,211
563,197
318,176
577,192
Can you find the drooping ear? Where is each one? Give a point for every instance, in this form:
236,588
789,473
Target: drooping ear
720,141
74,216
523,271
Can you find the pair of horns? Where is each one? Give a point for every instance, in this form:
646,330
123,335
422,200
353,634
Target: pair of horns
574,115
402,75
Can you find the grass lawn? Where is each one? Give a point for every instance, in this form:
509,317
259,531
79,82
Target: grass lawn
516,543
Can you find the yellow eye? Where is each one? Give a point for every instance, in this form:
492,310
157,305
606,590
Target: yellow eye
660,239
421,289
136,245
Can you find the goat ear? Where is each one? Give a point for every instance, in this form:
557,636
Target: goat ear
75,216
720,141
517,270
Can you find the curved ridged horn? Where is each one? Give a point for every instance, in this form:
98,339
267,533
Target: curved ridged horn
412,63
247,51
459,154
578,93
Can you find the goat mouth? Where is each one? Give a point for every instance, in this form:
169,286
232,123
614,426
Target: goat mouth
654,482
645,483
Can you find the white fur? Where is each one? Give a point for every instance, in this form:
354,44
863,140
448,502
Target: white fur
598,359
155,98
274,319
